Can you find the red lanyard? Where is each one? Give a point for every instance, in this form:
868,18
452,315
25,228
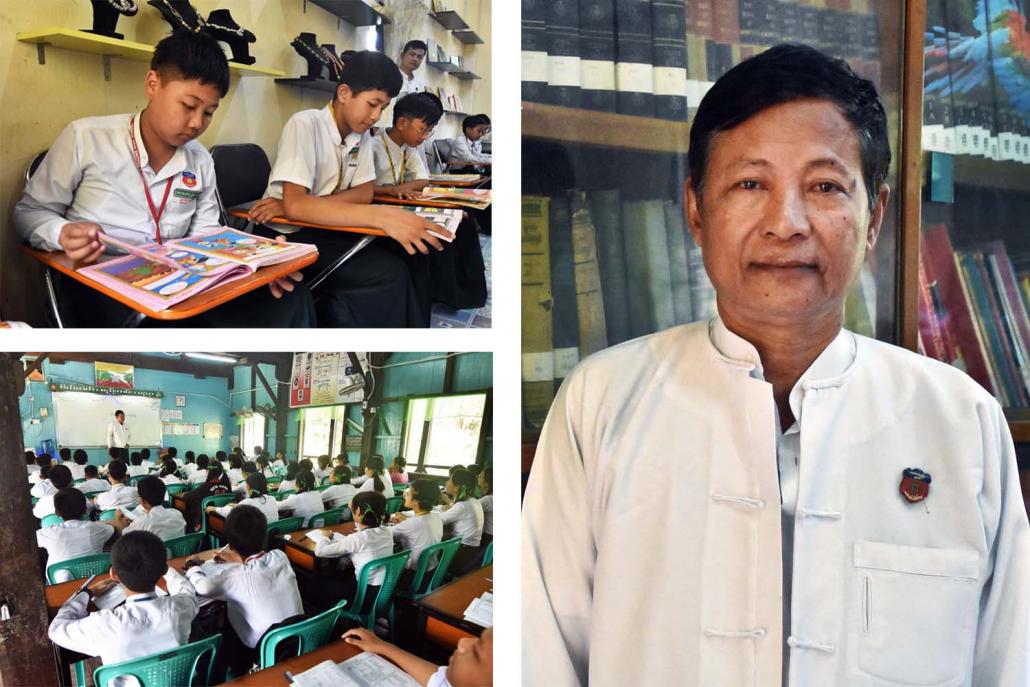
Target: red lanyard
154,212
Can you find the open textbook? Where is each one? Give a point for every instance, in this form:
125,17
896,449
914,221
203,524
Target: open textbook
456,178
448,218
475,198
157,276
363,670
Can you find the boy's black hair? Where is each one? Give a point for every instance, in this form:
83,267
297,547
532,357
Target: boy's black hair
425,492
60,476
484,118
420,45
306,464
112,453
190,456
30,457
189,56
65,453
136,457
203,461
370,71
144,453
44,472
91,471
69,503
258,483
152,490
245,530
44,459
343,473
372,505
117,469
417,106
786,73
305,481
469,122
80,457
138,559
172,452
220,456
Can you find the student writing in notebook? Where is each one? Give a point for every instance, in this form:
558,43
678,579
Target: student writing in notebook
471,664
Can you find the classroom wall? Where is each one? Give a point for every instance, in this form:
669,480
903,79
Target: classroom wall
37,101
206,401
242,398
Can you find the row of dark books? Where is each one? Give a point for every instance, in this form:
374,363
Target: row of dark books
973,314
657,58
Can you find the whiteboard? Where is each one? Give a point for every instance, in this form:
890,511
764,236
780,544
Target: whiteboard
82,418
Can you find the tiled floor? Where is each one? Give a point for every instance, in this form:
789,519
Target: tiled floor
448,318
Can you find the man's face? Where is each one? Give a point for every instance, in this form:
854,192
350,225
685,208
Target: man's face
120,418
412,59
361,111
785,223
476,132
413,132
180,110
472,663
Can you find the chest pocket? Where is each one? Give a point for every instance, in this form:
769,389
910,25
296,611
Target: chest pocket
917,613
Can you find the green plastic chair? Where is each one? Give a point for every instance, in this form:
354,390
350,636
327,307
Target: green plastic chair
173,489
173,668
284,526
329,517
78,481
488,554
311,634
90,495
421,585
323,487
109,514
216,500
184,545
35,500
52,519
81,567
393,504
281,495
383,604
134,480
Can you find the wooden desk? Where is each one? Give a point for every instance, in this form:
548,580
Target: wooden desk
216,524
276,675
179,502
371,231
301,550
441,614
191,307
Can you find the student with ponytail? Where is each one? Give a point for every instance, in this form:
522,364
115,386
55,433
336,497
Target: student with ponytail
465,518
289,482
169,471
307,501
424,529
371,539
376,477
256,487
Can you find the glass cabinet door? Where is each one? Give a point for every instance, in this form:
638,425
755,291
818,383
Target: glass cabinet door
608,88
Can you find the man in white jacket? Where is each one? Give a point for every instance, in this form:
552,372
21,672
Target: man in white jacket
832,510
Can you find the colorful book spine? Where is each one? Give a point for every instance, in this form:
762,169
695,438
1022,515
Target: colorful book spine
564,319
537,350
593,335
1013,309
726,22
929,325
563,67
986,319
597,48
606,210
669,28
634,67
534,50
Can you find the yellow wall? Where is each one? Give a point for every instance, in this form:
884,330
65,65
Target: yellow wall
37,101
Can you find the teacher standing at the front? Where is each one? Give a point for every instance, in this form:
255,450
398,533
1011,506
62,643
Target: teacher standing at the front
118,437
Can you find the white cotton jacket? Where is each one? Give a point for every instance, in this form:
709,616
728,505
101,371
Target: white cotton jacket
632,580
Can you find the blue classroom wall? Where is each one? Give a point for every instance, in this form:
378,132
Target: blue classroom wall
242,398
206,401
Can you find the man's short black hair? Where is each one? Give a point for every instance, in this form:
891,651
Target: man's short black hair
152,490
138,559
60,476
188,56
370,71
786,73
417,106
91,471
80,457
245,530
117,469
65,453
417,44
69,503
202,461
119,412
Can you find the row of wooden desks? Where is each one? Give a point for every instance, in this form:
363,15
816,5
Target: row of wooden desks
442,613
336,651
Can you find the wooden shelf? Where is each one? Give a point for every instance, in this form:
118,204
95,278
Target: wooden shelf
1019,424
324,85
464,75
355,12
456,113
468,37
569,125
106,47
450,20
971,170
446,67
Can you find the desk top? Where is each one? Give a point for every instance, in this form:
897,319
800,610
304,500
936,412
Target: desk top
192,306
459,184
275,676
371,231
299,542
415,202
450,601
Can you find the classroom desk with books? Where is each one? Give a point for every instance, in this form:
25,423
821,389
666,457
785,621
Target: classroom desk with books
191,307
370,231
414,202
442,613
275,676
301,550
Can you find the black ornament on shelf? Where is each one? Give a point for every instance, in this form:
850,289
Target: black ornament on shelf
180,14
307,47
222,27
106,13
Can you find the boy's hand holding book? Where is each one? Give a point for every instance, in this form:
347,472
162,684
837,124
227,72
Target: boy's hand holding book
410,230
281,286
81,241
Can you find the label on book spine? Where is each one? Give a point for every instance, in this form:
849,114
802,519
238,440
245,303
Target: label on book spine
597,75
563,70
634,78
670,81
534,66
538,367
564,360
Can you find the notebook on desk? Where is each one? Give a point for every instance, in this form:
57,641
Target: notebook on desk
364,670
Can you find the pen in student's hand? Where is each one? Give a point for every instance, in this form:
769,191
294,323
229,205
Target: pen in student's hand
289,677
85,584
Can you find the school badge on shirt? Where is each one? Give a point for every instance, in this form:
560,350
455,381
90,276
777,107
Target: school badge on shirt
915,484
189,179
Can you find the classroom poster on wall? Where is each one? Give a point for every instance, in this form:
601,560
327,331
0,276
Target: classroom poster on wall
300,380
113,375
321,379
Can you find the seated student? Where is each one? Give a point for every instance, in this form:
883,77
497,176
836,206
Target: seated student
322,471
280,460
78,464
120,495
486,488
90,182
465,518
398,475
289,482
422,530
341,459
249,468
259,588
471,664
341,492
223,459
74,537
43,487
64,455
468,149
136,467
167,523
146,623
399,169
30,463
41,460
371,539
198,475
376,477
214,484
323,174
93,481
60,478
235,472
263,467
145,461
255,494
169,473
307,501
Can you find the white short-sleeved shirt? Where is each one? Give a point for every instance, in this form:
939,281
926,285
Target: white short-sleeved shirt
71,539
43,487
306,504
89,175
439,678
417,533
166,523
95,484
338,495
396,164
313,154
466,521
370,485
78,471
465,149
119,496
266,504
362,546
487,502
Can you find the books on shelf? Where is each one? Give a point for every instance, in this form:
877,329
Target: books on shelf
597,54
563,68
669,29
157,276
534,50
634,66
564,314
537,348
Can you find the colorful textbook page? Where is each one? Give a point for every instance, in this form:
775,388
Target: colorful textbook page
157,276
448,218
477,198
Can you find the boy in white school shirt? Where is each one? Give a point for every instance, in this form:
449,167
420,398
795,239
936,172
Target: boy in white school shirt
60,478
323,175
141,178
74,537
42,487
93,481
166,523
146,623
400,171
120,495
258,586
